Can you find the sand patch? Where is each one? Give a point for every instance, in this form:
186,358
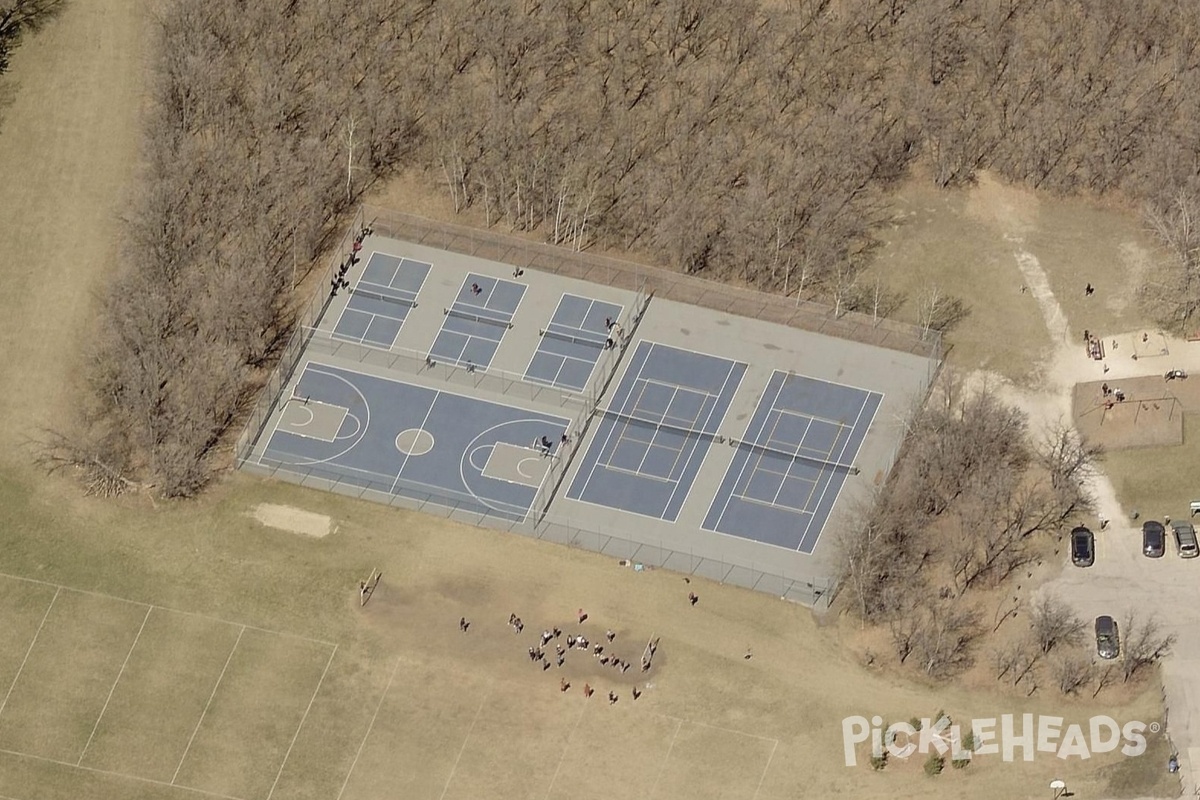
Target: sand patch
294,520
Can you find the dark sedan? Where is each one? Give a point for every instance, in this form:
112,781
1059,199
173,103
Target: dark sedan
1083,547
1154,539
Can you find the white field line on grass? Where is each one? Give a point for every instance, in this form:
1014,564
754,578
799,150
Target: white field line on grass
763,777
206,705
29,650
167,608
112,774
462,749
296,735
663,766
566,746
363,743
108,699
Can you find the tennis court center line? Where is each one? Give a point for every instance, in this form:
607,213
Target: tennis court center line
845,480
733,366
596,465
746,436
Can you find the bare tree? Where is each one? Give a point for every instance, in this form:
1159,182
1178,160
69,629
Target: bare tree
1072,671
1070,462
1143,645
19,16
1173,295
943,638
1054,623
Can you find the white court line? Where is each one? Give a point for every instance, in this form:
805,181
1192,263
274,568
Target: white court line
316,368
420,427
663,766
752,456
566,747
462,749
206,705
763,777
363,743
108,699
112,774
733,365
29,650
870,422
795,455
166,609
296,735
596,465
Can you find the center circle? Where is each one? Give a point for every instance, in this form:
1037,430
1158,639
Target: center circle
414,442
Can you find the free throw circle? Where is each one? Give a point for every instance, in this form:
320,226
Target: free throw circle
414,442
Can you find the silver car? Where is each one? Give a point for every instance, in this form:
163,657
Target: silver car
1185,539
1108,640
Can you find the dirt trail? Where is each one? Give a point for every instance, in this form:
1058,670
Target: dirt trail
1120,570
68,152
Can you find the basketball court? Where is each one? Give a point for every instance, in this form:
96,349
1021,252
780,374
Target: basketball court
401,439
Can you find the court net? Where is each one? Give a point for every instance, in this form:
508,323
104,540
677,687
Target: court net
753,447
411,302
471,315
583,337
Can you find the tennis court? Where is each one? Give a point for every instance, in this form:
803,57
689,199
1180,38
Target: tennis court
571,343
381,299
476,322
657,429
397,438
797,453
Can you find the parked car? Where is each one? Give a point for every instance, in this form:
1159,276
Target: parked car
1185,539
1083,547
1154,539
1108,640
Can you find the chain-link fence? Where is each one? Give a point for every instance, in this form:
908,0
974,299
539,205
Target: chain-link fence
642,280
818,592
801,314
305,322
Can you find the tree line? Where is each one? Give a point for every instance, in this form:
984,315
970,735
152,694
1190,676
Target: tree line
748,142
20,16
976,499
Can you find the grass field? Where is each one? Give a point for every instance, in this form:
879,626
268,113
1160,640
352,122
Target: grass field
185,651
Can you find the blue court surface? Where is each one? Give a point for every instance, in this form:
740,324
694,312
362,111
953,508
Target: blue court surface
402,439
380,301
798,451
656,431
476,322
572,342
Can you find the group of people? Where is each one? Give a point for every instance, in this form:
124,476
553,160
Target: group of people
541,654
614,333
339,281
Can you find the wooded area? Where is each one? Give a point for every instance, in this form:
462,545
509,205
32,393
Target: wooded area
752,143
19,16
